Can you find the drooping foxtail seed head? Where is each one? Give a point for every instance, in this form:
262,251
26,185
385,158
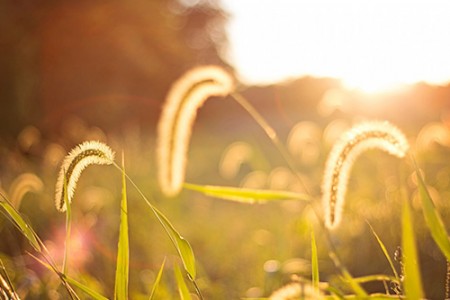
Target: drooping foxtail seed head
297,290
24,183
83,155
175,125
367,135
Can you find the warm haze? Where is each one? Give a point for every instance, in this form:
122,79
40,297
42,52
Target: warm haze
372,46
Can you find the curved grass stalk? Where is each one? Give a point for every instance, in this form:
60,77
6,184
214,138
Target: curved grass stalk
83,155
182,246
271,133
175,125
385,252
367,135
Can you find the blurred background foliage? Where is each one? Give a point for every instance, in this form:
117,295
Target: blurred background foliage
107,61
71,72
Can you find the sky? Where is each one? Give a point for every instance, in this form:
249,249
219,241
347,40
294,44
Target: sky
372,46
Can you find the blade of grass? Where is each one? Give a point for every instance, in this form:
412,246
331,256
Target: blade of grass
432,217
380,296
21,224
88,291
66,279
385,252
271,133
314,262
182,288
182,246
51,267
245,195
412,283
122,267
6,285
157,281
377,277
357,289
68,228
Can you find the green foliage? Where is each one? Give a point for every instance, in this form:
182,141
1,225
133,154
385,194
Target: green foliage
157,281
277,233
432,217
314,262
413,282
348,278
246,195
21,224
385,252
182,287
88,291
123,255
182,246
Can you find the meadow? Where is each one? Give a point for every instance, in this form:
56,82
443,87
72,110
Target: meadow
243,219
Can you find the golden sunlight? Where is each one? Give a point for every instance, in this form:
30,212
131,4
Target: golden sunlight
371,46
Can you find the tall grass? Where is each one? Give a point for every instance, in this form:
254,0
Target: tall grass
174,131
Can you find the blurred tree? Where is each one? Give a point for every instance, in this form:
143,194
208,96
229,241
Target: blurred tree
105,61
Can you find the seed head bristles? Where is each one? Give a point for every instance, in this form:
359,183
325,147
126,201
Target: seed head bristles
186,95
296,290
367,135
83,155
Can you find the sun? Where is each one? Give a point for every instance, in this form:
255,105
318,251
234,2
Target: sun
372,46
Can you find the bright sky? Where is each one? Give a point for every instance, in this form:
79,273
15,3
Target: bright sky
373,45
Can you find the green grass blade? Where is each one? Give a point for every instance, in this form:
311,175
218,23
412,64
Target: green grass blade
157,281
314,262
68,228
432,217
385,252
245,195
182,288
182,246
21,224
122,267
378,296
376,277
6,286
412,283
88,291
66,281
357,289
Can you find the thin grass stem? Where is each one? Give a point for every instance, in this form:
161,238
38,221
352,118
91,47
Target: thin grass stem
159,215
68,229
271,133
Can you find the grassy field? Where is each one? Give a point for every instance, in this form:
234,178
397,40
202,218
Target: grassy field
241,250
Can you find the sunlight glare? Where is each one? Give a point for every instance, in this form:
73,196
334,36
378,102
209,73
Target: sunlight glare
371,46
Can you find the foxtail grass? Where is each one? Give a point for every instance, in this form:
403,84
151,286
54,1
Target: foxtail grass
185,97
83,155
297,290
23,184
367,135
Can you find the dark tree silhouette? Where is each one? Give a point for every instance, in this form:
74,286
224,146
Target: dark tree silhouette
105,61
